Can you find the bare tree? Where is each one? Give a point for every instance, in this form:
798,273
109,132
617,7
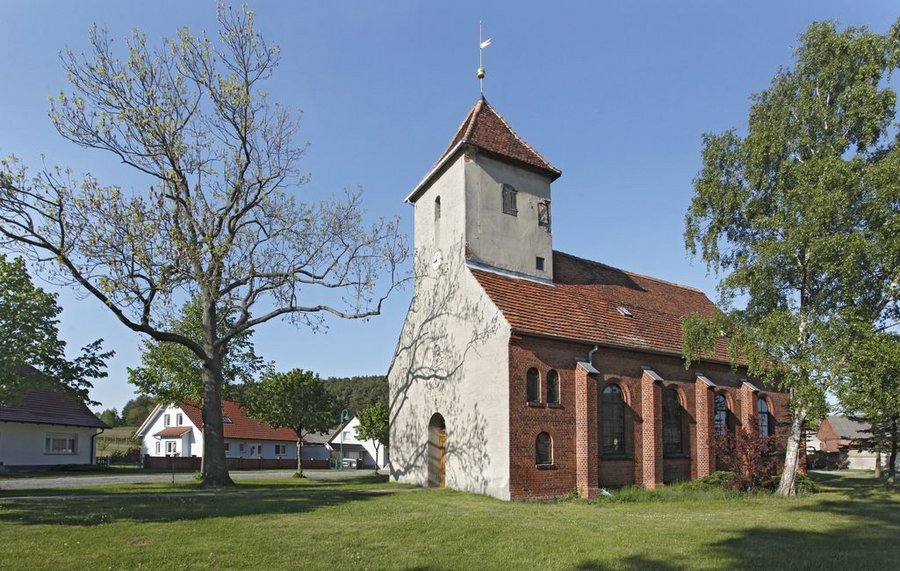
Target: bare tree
218,220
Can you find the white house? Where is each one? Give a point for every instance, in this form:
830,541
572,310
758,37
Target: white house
177,430
47,428
360,453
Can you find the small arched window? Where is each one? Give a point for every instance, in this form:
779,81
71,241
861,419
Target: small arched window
437,208
766,422
509,200
721,418
533,385
552,387
673,427
613,421
543,449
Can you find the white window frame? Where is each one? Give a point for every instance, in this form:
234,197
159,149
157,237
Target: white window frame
158,447
179,419
70,447
167,420
281,449
171,448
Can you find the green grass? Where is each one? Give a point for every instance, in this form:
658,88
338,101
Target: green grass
116,439
291,524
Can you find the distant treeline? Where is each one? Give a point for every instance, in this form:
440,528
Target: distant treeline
356,392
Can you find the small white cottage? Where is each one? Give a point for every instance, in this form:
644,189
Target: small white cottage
47,427
357,453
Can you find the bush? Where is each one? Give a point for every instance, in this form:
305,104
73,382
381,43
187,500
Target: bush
804,485
750,456
716,481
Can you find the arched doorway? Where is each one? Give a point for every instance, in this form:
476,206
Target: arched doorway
437,451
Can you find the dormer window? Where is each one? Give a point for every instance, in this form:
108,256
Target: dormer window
227,420
623,311
509,200
544,215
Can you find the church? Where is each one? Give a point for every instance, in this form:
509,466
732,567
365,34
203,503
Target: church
523,372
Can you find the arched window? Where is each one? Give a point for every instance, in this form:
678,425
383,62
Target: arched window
509,200
552,387
437,208
533,385
721,418
613,421
766,422
673,436
543,449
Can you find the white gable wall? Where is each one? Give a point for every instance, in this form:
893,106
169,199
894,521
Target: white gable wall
189,444
351,437
24,444
452,356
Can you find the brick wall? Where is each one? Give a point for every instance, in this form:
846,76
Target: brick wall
643,462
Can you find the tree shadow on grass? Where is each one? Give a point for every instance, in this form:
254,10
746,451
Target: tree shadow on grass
160,508
869,538
634,562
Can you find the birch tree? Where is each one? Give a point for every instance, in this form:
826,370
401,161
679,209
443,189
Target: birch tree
799,217
219,220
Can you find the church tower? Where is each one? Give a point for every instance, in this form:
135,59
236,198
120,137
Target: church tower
487,200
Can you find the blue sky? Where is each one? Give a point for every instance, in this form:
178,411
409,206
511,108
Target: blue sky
616,95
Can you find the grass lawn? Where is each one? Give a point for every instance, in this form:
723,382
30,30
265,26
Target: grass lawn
116,439
291,524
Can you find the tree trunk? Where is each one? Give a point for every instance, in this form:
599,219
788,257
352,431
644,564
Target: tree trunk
299,454
878,464
892,459
792,455
214,468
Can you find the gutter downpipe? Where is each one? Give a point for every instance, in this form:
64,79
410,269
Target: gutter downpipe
590,356
94,446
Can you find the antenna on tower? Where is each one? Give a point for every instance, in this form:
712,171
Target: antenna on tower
481,45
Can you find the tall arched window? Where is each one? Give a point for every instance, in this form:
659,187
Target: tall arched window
766,422
721,418
552,387
673,426
543,449
533,385
613,421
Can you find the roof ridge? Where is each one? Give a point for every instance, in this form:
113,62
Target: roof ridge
476,110
629,272
516,135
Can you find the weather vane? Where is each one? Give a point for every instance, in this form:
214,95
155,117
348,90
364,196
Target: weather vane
481,45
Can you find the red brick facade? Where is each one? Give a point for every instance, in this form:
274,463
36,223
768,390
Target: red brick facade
575,425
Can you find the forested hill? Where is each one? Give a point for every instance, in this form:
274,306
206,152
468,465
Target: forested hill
355,393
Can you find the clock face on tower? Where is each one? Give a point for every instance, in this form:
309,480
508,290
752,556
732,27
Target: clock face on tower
437,260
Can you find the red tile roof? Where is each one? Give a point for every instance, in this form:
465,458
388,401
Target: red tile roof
485,129
583,301
173,431
49,406
242,425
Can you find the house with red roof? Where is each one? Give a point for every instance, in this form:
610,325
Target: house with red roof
177,431
47,427
524,372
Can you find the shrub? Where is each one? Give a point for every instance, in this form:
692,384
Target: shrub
750,456
804,485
